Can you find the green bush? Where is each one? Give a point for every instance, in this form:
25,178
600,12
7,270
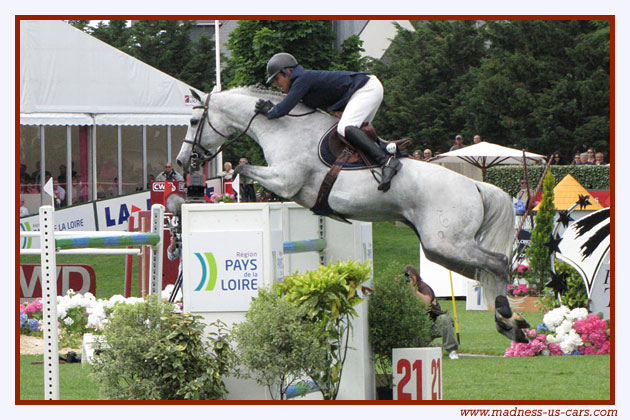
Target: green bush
329,296
538,253
278,343
150,352
507,177
396,317
574,297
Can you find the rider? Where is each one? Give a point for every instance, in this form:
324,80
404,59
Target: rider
358,95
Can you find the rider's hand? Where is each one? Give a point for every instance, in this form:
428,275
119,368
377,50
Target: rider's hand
263,106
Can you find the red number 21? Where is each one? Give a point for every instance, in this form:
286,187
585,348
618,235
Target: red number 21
403,366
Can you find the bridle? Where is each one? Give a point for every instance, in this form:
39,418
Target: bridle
199,154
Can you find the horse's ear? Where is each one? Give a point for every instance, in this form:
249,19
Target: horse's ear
196,95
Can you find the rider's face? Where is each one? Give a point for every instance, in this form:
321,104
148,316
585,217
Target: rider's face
283,82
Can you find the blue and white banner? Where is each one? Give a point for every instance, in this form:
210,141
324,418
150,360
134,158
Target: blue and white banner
113,214
76,218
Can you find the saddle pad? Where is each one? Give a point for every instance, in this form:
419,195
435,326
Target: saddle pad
330,147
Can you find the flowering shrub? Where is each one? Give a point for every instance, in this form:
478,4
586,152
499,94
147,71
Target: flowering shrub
30,315
521,290
222,198
569,332
79,313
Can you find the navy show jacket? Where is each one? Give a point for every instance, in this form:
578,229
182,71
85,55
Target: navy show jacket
328,90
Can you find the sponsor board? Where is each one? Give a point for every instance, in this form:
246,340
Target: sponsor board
76,218
226,277
113,214
80,278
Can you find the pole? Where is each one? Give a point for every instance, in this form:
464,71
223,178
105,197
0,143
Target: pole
450,276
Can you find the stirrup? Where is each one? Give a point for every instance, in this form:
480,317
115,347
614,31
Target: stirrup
389,171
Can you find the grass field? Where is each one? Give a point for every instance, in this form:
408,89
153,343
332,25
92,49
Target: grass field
469,378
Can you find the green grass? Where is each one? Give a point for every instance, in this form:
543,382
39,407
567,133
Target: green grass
74,380
478,378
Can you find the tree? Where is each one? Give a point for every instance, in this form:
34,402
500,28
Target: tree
538,253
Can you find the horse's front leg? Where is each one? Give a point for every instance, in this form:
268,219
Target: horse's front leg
281,181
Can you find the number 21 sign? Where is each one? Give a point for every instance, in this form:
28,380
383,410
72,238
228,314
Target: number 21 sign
417,373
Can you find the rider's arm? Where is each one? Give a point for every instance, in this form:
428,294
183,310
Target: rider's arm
299,87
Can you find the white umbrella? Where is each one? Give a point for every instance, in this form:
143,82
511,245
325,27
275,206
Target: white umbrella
485,155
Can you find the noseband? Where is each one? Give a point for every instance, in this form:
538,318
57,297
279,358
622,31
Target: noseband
199,154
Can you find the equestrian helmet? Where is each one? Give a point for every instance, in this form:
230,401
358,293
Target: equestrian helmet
278,63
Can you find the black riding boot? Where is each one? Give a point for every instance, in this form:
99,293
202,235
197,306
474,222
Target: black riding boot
389,163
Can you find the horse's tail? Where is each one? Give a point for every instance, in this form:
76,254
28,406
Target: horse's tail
496,232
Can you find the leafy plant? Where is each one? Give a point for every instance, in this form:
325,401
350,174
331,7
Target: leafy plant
538,254
396,317
574,297
150,352
278,343
329,296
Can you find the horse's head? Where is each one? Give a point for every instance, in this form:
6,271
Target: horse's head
202,138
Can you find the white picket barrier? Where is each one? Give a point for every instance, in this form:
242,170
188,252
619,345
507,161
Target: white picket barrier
229,251
83,242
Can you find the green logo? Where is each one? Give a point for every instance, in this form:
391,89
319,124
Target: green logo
26,242
208,271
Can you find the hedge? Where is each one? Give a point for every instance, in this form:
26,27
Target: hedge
507,177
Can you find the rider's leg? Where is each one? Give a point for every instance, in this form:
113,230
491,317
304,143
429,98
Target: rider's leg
361,108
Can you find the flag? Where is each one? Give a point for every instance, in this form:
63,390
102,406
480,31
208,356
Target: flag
48,188
236,186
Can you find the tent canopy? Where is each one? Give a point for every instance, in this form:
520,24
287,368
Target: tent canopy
68,77
485,155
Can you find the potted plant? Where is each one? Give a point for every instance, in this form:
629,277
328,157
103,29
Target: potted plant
397,319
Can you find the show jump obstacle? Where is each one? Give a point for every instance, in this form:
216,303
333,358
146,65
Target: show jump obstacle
84,242
230,251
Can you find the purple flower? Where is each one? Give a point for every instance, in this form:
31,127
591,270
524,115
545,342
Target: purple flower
33,324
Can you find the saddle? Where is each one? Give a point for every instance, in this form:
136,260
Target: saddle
336,153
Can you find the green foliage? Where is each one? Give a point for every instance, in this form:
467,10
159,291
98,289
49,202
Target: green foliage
507,177
278,343
329,296
163,44
574,297
538,253
396,317
543,85
149,352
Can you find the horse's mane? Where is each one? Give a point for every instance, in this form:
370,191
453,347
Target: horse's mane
258,91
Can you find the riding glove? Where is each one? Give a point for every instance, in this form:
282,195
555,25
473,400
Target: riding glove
263,106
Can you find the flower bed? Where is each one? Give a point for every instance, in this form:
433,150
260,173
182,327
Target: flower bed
565,332
76,313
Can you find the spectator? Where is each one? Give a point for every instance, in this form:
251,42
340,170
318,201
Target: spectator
35,176
228,172
417,155
477,139
23,209
584,159
442,321
169,174
599,159
556,159
428,154
58,190
246,187
576,159
525,195
591,155
459,143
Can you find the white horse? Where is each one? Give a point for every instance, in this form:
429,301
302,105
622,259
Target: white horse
464,225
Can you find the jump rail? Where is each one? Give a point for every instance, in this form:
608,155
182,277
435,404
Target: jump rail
53,243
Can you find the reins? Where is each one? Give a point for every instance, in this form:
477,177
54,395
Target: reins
196,159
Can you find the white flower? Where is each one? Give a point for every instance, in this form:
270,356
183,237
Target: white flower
577,313
68,321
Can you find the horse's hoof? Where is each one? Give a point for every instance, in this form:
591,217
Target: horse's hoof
512,327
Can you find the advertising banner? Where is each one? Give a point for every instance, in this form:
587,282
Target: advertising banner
226,270
76,218
80,278
113,214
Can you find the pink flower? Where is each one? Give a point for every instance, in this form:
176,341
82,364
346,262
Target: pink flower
531,333
522,268
555,349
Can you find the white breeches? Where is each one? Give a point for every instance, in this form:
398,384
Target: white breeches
362,105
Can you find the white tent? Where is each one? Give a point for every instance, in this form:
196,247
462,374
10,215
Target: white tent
68,77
